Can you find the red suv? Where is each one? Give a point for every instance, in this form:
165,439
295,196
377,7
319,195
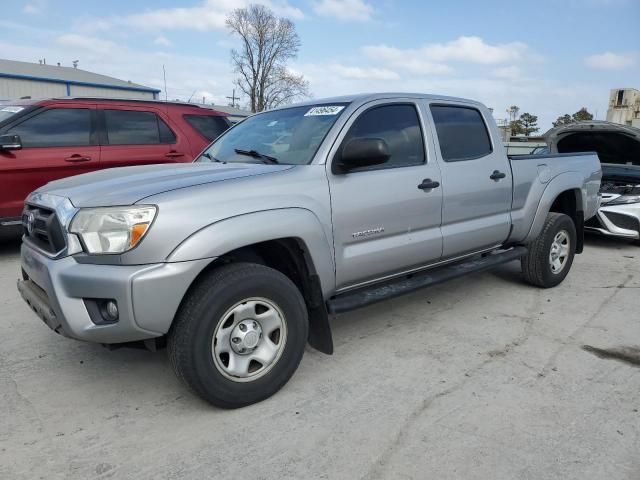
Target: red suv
46,140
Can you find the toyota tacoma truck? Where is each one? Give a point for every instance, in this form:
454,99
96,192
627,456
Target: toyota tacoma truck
237,261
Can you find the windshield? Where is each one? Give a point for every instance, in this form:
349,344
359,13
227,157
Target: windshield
7,111
289,136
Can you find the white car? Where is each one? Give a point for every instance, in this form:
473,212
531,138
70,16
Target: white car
618,147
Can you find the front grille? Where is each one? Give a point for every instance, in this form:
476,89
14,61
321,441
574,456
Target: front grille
42,228
623,221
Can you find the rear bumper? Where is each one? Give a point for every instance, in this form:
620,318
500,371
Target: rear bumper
148,296
617,221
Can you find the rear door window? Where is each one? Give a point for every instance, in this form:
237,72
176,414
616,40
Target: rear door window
133,127
209,127
462,133
56,127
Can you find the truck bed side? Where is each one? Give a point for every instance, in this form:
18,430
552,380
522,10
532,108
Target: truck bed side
539,180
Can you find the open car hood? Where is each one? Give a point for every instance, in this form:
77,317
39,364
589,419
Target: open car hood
614,143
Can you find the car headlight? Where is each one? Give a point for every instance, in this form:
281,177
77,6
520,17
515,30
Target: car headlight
623,200
112,229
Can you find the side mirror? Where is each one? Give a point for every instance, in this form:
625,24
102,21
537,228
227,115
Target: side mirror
361,152
10,142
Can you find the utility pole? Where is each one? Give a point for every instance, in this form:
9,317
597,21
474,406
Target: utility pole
233,99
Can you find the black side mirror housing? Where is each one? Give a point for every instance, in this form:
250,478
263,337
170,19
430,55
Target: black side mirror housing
10,142
361,152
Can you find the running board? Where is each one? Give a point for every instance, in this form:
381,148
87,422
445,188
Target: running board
409,283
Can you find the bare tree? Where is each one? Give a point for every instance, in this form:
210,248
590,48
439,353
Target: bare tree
268,43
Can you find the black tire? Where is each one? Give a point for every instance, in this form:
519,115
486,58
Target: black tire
536,265
190,339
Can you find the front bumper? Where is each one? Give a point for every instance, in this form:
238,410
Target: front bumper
148,296
616,220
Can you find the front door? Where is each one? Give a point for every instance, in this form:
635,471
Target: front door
476,181
56,143
385,221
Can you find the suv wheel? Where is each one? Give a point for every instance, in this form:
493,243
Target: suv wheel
550,256
239,335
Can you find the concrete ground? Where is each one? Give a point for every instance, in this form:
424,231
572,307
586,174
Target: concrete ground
480,378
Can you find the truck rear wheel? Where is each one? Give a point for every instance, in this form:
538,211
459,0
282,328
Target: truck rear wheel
550,256
239,335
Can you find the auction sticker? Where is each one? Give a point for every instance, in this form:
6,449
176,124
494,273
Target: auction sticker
12,109
324,110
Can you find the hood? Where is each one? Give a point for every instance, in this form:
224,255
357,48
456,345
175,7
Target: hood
128,185
614,143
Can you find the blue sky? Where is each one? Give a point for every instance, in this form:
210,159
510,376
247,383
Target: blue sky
549,57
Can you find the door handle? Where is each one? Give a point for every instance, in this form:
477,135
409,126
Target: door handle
174,154
428,184
77,158
497,175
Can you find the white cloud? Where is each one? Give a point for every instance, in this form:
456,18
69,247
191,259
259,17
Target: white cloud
208,15
610,61
345,10
363,73
162,41
475,50
508,73
434,58
410,60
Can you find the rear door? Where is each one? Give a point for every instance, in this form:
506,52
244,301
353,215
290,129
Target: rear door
476,180
385,221
58,141
132,135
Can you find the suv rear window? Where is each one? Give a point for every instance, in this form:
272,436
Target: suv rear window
208,126
462,133
133,127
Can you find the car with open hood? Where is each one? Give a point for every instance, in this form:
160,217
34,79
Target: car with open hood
618,147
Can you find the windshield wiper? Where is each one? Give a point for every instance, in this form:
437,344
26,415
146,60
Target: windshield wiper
258,155
212,158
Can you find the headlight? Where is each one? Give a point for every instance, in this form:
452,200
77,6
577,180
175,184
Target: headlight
112,229
623,200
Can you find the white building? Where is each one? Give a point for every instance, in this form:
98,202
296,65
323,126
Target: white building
624,107
23,79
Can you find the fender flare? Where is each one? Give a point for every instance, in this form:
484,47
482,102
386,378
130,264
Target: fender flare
564,182
232,233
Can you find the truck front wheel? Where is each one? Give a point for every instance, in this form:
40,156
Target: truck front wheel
239,335
550,256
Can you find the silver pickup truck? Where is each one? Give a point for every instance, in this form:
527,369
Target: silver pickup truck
236,261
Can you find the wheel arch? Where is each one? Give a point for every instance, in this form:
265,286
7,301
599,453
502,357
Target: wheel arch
304,256
562,195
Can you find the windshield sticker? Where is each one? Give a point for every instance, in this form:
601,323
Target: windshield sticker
272,124
12,109
324,110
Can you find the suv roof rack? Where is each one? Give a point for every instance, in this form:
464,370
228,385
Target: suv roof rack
139,100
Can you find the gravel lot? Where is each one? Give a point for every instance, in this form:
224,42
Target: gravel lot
479,378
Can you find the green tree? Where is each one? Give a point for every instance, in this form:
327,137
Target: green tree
563,120
529,123
582,115
516,127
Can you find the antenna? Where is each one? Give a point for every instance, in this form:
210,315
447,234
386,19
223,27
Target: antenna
164,73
